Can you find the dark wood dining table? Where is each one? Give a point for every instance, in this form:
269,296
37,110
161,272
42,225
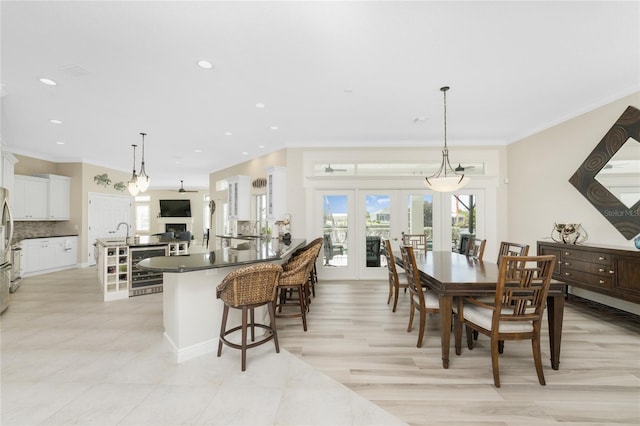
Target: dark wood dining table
451,275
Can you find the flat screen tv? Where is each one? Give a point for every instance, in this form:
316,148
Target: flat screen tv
175,208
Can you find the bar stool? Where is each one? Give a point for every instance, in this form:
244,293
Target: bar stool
246,289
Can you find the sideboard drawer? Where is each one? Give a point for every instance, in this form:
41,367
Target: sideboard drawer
587,256
588,279
591,268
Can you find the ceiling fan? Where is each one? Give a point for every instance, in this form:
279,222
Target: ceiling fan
182,188
330,169
462,169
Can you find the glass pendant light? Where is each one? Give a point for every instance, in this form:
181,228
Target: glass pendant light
133,183
446,179
143,179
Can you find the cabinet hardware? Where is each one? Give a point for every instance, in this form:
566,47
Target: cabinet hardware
601,282
601,258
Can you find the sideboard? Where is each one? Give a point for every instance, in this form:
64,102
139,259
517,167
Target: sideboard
611,271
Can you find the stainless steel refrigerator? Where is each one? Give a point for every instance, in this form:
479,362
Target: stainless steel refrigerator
6,235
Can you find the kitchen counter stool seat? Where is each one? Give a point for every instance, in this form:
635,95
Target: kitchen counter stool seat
246,289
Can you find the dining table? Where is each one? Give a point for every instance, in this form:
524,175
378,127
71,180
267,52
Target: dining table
450,275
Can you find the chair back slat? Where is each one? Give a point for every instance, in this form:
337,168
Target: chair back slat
413,274
417,241
512,249
475,248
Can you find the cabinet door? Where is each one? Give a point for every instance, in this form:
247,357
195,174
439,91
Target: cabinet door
31,198
59,198
68,251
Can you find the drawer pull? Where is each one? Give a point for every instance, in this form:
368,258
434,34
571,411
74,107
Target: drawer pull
601,258
601,270
612,272
567,253
567,263
601,282
566,274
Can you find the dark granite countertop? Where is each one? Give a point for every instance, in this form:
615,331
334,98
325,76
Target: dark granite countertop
142,241
242,254
48,236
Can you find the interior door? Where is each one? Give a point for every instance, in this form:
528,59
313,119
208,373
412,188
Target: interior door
105,212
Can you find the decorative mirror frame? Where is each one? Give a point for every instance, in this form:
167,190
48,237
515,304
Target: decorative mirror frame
625,220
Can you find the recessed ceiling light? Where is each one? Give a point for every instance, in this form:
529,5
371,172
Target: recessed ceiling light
48,81
260,146
348,90
54,121
260,105
228,133
419,120
205,64
197,150
60,143
274,127
178,162
245,153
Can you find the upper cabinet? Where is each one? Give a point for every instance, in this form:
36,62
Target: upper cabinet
239,197
8,165
44,197
276,192
59,197
30,198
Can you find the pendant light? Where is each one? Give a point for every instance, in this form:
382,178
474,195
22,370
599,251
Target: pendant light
143,179
133,183
446,179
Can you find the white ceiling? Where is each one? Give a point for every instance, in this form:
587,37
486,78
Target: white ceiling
340,74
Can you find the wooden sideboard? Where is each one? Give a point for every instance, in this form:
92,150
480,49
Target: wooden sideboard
611,271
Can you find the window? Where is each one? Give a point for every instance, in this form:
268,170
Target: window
143,213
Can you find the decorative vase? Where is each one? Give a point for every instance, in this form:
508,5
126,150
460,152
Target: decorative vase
637,242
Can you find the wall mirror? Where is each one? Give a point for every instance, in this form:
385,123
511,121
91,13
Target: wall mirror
609,178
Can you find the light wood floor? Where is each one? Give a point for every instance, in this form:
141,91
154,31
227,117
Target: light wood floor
355,338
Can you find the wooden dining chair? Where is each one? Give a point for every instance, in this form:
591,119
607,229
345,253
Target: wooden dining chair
417,241
475,248
421,300
515,314
397,280
512,249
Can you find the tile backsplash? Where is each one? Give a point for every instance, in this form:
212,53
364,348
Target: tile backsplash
35,229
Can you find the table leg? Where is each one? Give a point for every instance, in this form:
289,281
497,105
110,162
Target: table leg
445,327
555,311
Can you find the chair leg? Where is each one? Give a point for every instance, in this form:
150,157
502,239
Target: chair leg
457,332
410,317
470,333
390,293
537,359
475,334
253,321
396,295
423,320
303,308
272,315
244,338
501,347
494,362
223,327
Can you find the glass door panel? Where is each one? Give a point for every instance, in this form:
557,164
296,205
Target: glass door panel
335,230
464,219
419,216
378,213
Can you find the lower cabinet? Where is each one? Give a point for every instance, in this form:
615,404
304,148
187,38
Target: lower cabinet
42,255
610,271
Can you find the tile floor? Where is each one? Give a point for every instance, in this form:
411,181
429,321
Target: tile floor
70,358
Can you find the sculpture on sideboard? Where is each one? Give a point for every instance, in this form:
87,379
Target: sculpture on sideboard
568,233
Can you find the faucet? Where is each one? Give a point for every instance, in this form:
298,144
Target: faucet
257,228
125,224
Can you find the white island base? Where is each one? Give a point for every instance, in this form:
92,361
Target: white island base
192,315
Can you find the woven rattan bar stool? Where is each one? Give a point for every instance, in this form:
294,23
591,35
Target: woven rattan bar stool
246,289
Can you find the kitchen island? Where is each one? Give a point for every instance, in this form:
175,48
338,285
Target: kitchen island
117,260
192,314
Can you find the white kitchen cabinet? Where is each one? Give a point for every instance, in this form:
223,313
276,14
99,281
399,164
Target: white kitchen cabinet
42,255
59,189
239,197
276,192
30,198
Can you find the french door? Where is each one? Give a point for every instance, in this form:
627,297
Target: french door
355,222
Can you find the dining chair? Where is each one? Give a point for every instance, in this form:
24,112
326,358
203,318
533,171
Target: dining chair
464,242
331,249
397,280
417,241
475,248
516,312
421,299
246,289
512,249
